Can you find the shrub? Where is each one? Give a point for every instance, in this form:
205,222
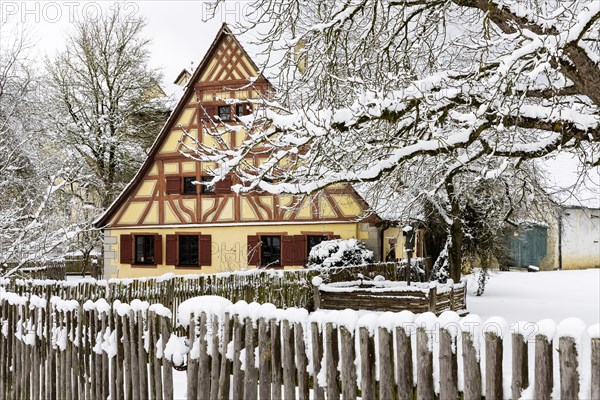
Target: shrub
339,253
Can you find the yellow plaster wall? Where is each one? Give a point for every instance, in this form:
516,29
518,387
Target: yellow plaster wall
153,170
188,167
229,243
133,213
146,188
152,217
171,168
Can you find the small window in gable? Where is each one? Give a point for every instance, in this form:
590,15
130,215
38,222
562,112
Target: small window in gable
225,113
243,109
188,185
205,188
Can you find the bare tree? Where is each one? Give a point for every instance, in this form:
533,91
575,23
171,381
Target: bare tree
430,94
108,102
35,202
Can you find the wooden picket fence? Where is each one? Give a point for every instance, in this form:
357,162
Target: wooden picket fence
62,349
65,350
284,288
370,361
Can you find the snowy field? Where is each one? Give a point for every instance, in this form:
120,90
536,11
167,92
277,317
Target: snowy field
528,296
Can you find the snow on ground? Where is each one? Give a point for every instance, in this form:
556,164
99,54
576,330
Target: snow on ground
533,296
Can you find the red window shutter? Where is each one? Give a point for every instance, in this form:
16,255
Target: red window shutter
173,185
172,251
158,251
300,256
224,186
287,251
204,250
209,113
253,250
126,249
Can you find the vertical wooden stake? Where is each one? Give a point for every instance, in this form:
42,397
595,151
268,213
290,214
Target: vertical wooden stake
264,366
167,364
595,368
367,364
543,367
569,375
317,355
472,370
215,359
493,366
520,373
289,384
276,365
448,366
225,370
386,365
348,367
237,390
203,390
192,365
424,366
301,362
404,365
251,376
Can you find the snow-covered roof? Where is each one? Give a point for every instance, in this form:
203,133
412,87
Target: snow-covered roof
570,184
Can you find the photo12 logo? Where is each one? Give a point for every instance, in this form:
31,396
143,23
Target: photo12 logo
230,11
61,11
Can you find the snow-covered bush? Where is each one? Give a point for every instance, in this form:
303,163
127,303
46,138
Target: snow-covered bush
339,253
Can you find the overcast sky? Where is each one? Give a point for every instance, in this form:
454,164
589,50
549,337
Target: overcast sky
177,29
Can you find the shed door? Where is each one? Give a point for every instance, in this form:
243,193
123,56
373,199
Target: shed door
530,246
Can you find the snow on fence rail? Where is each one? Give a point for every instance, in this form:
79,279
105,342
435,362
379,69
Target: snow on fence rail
284,288
65,349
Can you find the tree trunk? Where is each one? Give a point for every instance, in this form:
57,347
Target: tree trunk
455,249
456,233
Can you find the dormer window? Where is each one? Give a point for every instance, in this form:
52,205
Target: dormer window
225,113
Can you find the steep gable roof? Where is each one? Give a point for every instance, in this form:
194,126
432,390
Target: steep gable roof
223,33
209,71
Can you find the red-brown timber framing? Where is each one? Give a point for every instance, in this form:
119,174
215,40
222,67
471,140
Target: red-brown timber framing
230,61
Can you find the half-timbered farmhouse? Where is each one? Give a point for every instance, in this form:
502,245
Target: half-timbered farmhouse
163,222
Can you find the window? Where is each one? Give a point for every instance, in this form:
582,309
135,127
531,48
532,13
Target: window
188,185
225,113
144,250
312,241
242,109
207,189
270,251
188,250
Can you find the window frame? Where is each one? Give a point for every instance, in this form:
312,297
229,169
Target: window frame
229,118
183,186
205,189
136,261
262,248
197,252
